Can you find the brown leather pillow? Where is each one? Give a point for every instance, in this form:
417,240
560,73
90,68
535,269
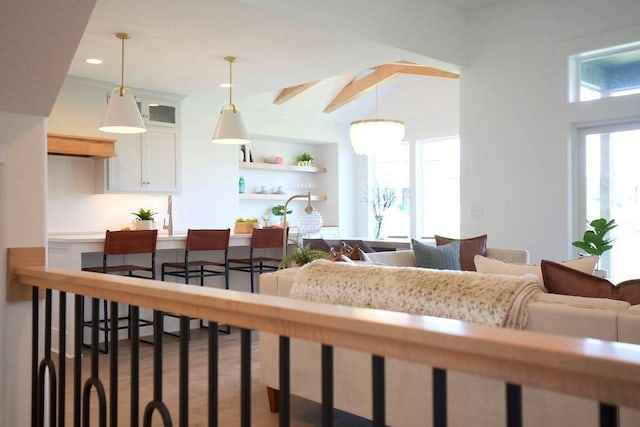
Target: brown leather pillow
559,279
469,248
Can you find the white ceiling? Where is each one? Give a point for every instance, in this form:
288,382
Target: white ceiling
178,47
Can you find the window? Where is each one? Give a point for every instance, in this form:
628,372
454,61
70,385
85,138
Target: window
392,171
438,180
610,188
606,73
435,184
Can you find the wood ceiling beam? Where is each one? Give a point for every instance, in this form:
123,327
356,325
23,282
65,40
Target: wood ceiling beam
289,92
358,87
380,75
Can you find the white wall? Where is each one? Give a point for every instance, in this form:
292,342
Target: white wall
22,224
516,122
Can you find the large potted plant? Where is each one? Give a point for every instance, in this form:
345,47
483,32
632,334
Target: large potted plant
302,256
594,240
143,219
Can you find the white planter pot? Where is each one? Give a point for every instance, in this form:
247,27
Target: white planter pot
143,225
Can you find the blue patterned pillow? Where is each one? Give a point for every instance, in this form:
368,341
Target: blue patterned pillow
445,257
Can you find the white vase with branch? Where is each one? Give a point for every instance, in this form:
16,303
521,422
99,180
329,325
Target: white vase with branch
381,199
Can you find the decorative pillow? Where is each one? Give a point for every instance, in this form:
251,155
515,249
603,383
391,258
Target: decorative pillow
559,279
445,257
493,266
469,248
354,253
362,245
338,256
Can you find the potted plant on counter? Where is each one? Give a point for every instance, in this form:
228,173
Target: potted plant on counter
278,210
143,219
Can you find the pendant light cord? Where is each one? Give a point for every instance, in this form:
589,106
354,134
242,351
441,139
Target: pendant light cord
122,70
230,59
123,37
230,80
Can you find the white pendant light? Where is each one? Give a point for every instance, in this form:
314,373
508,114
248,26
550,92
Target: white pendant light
230,128
372,136
122,115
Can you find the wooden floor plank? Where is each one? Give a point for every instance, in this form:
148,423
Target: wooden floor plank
303,412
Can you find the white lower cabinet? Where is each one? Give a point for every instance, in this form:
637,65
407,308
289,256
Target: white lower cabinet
144,163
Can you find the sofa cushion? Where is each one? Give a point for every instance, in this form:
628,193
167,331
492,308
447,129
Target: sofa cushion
469,248
491,266
559,279
446,257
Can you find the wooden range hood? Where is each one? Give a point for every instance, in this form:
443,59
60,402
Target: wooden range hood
80,146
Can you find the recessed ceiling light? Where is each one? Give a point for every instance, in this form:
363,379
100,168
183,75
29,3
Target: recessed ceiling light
226,85
94,61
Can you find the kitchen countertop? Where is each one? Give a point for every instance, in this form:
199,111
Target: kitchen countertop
163,238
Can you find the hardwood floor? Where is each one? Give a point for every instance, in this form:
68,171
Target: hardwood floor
303,412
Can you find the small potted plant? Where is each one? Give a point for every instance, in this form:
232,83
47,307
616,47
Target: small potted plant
304,159
278,210
302,256
143,219
594,240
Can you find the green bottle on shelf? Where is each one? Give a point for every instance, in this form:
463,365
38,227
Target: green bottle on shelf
241,185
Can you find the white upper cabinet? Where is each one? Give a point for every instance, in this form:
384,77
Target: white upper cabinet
149,162
158,113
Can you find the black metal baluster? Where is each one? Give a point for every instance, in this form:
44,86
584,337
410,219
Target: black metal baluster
113,366
47,366
62,355
157,403
135,366
94,380
245,377
514,405
609,415
284,380
377,368
327,386
439,385
35,321
78,319
213,374
184,371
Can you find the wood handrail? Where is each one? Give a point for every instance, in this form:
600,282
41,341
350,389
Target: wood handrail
606,371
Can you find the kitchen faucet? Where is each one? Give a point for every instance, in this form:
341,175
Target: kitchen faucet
169,226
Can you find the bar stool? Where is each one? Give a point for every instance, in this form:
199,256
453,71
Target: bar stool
201,240
124,243
262,239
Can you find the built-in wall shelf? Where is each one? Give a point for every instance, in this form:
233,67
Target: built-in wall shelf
282,167
277,197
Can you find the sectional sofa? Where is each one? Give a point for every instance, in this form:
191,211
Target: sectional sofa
472,400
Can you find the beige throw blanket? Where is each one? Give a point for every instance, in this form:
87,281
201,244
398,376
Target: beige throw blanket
486,299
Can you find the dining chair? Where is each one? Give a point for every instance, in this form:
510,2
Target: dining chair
198,241
123,243
263,243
